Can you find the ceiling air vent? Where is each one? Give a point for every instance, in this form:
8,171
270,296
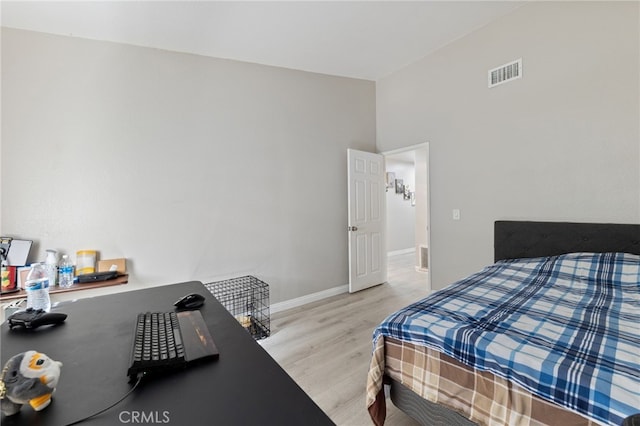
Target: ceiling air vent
506,72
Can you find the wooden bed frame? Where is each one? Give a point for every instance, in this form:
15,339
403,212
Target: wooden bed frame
525,239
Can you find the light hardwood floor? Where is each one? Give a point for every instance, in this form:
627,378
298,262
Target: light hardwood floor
326,346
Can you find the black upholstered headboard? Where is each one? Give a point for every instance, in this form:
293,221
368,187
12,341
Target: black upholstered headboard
519,239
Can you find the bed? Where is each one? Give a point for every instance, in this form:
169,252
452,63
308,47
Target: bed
547,335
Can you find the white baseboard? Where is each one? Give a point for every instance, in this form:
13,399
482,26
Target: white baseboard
314,297
403,251
309,298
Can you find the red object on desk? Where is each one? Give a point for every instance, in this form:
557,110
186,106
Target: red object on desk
12,279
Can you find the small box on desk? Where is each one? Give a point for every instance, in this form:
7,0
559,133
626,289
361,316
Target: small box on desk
120,263
23,271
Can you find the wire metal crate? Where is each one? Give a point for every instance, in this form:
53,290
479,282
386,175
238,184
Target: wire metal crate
247,299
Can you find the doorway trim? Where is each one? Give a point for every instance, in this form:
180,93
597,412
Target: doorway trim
420,146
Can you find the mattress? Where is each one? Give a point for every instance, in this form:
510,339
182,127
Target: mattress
558,329
479,396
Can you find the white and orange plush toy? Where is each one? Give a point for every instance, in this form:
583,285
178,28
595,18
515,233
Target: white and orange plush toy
29,377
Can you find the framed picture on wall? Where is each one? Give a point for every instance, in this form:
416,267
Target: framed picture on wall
407,193
399,186
391,179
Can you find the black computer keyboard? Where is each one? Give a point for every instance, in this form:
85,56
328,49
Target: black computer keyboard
157,344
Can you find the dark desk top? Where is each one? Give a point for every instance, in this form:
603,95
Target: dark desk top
245,386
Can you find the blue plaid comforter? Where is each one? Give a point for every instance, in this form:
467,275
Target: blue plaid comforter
566,328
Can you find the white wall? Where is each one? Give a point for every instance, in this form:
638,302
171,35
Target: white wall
190,167
401,216
562,143
422,201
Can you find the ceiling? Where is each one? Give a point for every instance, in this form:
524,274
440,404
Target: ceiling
359,39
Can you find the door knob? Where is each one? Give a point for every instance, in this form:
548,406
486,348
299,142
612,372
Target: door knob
353,228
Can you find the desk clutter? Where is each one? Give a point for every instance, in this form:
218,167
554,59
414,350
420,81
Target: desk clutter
55,273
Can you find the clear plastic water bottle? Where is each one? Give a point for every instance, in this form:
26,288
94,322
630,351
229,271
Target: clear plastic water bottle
37,288
51,264
65,272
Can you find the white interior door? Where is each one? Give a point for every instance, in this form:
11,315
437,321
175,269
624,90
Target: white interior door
367,223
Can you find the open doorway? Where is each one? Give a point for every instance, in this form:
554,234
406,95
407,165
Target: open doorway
408,232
